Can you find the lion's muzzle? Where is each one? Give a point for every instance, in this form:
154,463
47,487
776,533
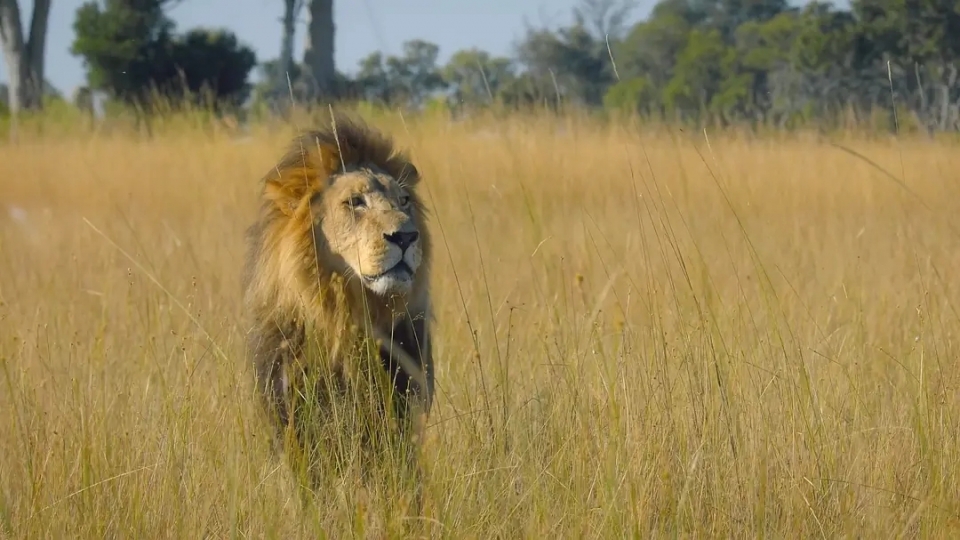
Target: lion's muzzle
402,259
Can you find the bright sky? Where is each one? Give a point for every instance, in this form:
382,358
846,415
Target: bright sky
362,27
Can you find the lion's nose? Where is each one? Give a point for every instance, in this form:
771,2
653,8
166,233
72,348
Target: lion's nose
402,239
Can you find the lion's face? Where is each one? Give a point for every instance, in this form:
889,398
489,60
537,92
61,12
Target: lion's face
366,219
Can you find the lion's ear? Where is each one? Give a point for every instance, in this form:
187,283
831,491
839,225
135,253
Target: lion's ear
409,174
302,171
282,194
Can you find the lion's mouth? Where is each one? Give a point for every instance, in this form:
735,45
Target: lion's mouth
400,270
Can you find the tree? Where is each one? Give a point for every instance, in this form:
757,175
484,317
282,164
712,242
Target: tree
575,61
572,60
727,15
635,94
4,100
919,37
374,80
416,74
319,69
124,45
651,48
130,51
763,49
212,60
523,91
604,17
700,74
407,80
280,72
475,76
24,55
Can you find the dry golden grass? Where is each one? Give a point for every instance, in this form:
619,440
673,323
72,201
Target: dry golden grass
638,335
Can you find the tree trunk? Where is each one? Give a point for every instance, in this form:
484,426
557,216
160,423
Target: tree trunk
290,10
24,58
318,56
945,101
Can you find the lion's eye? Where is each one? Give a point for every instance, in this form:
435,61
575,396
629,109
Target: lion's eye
356,202
404,200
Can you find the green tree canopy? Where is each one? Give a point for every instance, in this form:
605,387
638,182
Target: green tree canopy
130,50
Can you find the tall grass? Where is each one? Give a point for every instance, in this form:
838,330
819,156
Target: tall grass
638,334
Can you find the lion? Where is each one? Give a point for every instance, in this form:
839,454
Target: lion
338,264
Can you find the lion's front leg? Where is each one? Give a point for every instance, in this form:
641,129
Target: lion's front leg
274,349
407,357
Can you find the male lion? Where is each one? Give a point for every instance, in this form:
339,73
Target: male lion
336,266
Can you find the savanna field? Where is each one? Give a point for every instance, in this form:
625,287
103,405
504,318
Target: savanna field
639,334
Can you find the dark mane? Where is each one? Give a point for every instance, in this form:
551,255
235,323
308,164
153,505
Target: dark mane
354,144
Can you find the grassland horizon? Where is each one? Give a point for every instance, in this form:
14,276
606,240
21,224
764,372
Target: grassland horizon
639,333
